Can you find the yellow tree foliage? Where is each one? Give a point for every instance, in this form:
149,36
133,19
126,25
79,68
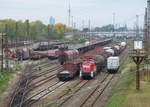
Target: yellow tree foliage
60,29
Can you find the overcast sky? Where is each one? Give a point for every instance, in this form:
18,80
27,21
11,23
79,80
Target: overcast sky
99,11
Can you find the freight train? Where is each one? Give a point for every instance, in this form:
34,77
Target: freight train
44,46
89,67
65,56
25,54
73,61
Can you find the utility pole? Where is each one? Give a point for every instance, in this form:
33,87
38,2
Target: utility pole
82,25
137,27
89,29
6,46
114,18
69,15
72,24
2,60
48,31
28,30
16,33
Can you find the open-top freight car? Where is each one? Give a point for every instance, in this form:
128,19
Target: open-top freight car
64,58
44,46
93,45
69,71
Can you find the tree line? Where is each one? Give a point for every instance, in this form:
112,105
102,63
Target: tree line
35,30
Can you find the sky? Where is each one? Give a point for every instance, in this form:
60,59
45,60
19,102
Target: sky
100,12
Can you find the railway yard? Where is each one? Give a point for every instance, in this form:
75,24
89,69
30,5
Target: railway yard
82,58
41,85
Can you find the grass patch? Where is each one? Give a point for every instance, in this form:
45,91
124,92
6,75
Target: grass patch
5,77
126,62
138,98
121,87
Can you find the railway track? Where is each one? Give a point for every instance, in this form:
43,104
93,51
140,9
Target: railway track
24,86
19,94
94,96
42,94
82,95
97,92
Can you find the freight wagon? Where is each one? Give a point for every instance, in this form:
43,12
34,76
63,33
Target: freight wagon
23,54
53,54
69,71
68,55
113,64
35,55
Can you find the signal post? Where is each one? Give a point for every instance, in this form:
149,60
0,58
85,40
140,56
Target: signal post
138,55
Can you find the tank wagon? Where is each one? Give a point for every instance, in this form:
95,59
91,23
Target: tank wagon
68,55
116,49
35,55
23,54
